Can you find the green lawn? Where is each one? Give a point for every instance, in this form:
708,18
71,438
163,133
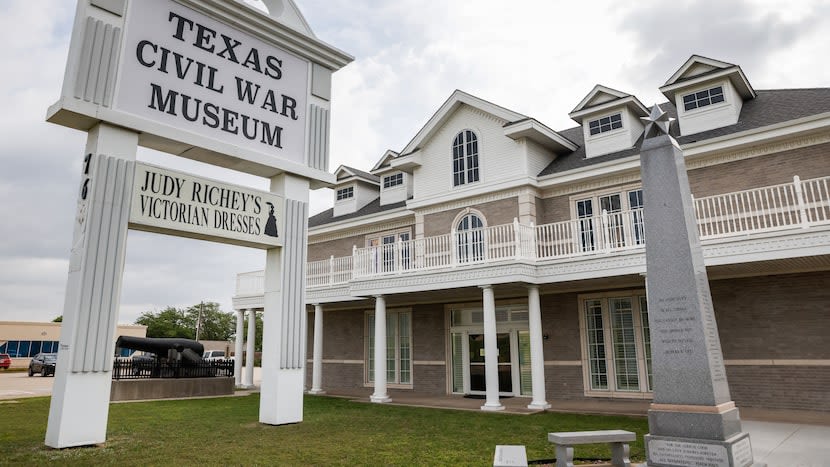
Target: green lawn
225,431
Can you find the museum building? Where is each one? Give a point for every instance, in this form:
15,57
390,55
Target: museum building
491,232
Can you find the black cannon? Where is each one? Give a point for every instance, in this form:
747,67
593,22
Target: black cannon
189,350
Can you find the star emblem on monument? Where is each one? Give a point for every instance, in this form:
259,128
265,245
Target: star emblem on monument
658,122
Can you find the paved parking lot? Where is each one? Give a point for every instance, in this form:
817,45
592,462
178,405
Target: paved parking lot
17,384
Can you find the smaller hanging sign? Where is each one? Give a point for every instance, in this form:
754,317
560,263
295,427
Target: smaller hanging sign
178,203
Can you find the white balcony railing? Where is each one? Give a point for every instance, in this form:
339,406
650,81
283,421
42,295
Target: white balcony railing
800,204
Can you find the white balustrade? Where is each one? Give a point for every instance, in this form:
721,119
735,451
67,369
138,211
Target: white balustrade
800,204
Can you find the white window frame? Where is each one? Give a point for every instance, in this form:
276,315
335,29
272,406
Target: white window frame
464,179
596,208
645,391
708,89
393,180
379,261
610,128
368,374
344,190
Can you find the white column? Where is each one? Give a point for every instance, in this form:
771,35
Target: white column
251,352
83,377
380,394
537,357
317,366
491,351
237,350
285,315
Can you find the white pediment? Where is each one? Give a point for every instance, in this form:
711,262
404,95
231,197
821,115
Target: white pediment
455,101
384,161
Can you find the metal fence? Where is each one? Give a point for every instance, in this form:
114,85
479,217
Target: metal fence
123,368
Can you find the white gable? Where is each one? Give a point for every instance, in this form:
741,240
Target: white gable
695,80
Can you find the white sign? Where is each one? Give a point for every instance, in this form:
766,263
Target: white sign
186,70
177,203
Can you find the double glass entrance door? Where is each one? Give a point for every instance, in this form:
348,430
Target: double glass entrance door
505,363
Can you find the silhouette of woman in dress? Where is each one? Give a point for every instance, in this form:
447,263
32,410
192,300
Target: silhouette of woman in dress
271,224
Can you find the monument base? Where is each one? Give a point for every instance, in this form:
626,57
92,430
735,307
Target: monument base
670,451
697,422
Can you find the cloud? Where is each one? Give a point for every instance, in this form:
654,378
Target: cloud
536,57
741,32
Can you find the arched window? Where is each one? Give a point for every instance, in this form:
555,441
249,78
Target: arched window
470,239
465,158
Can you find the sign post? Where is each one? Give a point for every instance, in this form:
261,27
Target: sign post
210,80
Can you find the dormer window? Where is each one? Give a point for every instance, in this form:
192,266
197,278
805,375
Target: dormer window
393,180
345,193
601,125
703,98
465,158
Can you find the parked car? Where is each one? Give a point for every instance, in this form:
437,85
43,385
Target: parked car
211,355
5,361
143,362
43,363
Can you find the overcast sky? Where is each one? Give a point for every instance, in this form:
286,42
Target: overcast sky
536,57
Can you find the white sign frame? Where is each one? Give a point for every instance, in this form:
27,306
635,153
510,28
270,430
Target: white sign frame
95,98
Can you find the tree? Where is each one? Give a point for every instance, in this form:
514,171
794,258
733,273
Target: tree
215,324
59,319
172,322
169,322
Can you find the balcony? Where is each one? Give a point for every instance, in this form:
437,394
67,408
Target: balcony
727,219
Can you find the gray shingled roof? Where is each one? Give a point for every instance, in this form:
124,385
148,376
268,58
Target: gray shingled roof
769,107
327,216
363,174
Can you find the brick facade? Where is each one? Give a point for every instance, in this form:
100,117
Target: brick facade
495,213
765,318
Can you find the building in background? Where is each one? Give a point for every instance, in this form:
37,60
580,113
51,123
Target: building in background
22,340
492,234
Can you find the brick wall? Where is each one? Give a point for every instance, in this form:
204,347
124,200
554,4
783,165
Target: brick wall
337,248
771,169
430,379
563,382
560,322
343,335
774,317
780,387
429,333
495,212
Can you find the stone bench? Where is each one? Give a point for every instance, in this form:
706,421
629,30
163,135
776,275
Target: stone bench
618,439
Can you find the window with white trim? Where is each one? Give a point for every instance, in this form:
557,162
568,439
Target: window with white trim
703,98
387,252
470,238
398,347
605,124
393,180
345,193
465,158
616,343
609,220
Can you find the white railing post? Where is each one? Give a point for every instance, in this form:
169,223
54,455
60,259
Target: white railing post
355,262
802,207
606,230
517,234
398,262
533,252
331,270
453,248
